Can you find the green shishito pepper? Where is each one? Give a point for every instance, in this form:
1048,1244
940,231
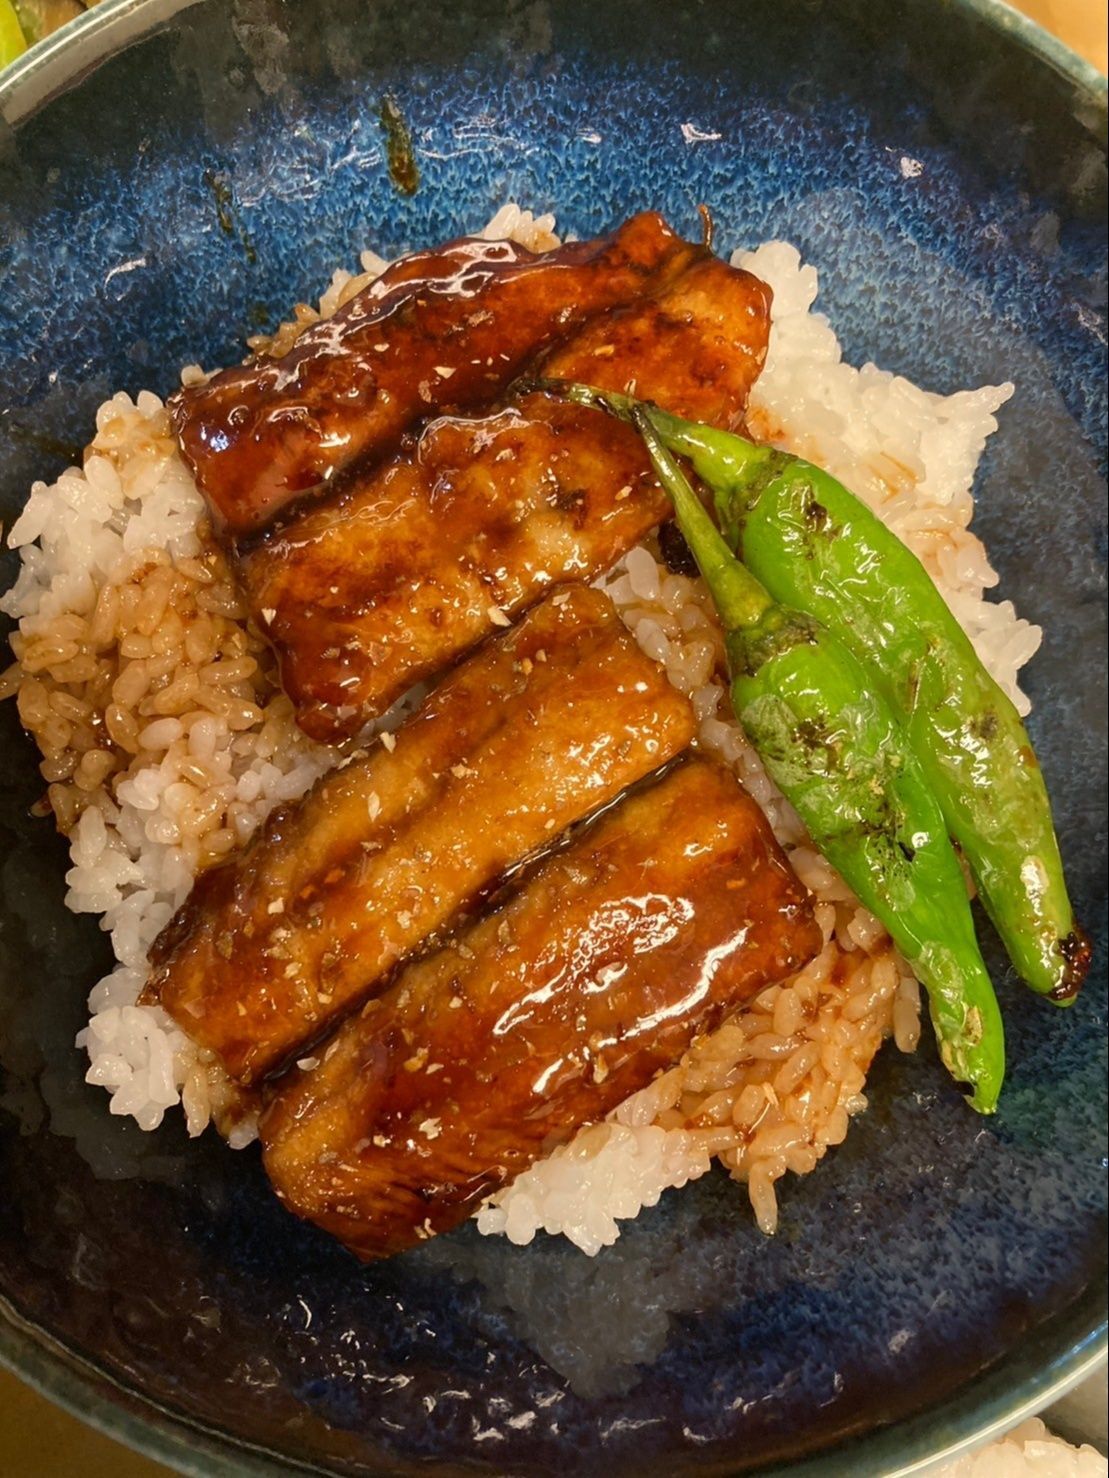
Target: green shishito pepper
814,545
839,755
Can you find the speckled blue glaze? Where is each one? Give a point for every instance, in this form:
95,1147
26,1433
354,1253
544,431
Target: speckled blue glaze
951,190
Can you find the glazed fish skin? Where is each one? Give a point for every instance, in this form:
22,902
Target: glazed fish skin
539,728
702,342
446,327
363,598
376,588
658,919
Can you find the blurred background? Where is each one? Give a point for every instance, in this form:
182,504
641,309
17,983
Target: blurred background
1079,23
36,1439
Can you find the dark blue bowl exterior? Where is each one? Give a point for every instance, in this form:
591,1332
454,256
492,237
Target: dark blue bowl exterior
953,196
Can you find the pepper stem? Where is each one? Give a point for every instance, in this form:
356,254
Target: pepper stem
739,597
686,437
619,405
724,454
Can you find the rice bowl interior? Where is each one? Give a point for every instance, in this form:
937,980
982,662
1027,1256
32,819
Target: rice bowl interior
765,1097
126,610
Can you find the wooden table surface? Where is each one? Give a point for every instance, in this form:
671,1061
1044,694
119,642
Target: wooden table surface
38,1440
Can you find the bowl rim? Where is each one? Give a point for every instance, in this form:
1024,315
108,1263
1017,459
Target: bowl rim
76,1383
50,64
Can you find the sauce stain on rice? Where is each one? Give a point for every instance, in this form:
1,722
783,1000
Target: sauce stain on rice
165,742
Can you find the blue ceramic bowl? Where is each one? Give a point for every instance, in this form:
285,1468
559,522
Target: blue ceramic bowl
944,166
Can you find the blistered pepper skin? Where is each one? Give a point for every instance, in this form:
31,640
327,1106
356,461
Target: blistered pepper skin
814,545
837,752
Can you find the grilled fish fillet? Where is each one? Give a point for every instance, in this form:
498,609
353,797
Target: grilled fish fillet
655,921
412,563
443,328
539,727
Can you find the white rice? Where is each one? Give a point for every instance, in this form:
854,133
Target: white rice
1029,1451
766,1094
94,529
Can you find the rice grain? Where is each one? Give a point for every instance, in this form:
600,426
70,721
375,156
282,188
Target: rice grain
165,741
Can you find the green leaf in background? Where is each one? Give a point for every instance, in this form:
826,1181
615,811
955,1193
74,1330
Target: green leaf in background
12,42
